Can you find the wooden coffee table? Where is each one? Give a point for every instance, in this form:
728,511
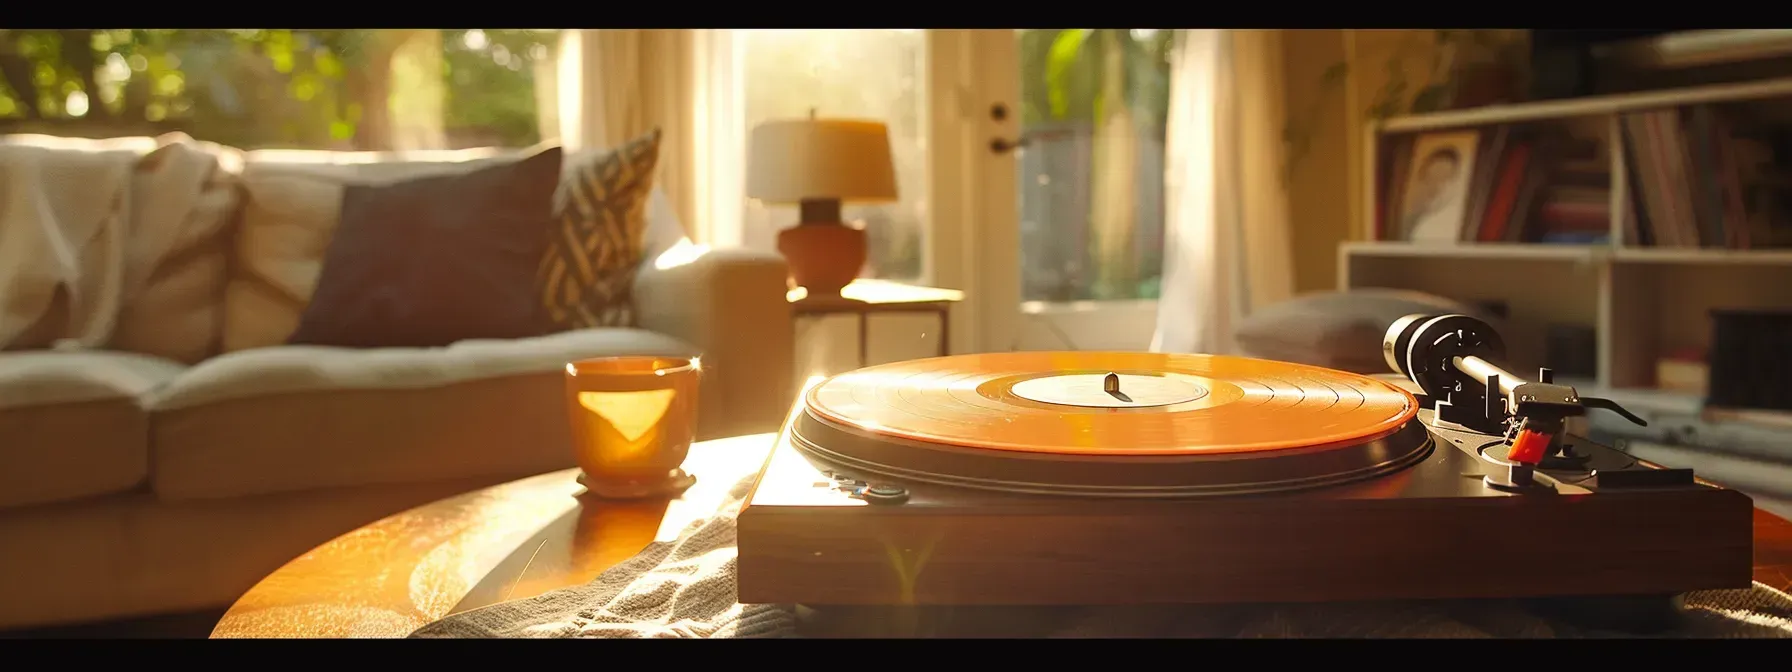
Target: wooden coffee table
508,541
533,535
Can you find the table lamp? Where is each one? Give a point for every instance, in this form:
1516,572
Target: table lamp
818,164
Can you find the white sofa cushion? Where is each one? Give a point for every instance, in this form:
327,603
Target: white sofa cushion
71,424
298,417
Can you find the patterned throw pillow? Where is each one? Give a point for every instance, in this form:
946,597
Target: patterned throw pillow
595,246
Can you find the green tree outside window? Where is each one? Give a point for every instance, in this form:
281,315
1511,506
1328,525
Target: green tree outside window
256,88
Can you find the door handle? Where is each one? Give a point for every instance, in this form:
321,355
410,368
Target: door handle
1001,146
1004,146
999,112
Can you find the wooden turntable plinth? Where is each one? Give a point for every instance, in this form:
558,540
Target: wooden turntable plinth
1431,531
845,516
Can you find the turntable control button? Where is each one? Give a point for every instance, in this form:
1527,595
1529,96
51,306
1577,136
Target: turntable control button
884,494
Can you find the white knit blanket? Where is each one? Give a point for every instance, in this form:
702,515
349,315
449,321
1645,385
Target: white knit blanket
686,588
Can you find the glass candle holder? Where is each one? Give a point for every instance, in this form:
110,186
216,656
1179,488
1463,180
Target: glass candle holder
632,421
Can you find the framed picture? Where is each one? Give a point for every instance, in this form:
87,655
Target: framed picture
1437,183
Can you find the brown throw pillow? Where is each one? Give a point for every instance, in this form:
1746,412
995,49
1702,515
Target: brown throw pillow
434,260
587,276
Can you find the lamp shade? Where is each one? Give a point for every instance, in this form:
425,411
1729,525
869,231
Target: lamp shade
794,160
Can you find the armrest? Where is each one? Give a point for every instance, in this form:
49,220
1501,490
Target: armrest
730,304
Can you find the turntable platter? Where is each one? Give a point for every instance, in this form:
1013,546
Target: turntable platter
1165,404
1106,422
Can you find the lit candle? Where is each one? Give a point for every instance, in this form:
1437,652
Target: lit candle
632,421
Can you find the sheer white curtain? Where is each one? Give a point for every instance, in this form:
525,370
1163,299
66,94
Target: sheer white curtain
615,84
1226,223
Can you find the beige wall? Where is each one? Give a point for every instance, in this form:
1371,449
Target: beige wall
1327,183
1318,180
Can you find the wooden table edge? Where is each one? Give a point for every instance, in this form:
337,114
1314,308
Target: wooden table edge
382,580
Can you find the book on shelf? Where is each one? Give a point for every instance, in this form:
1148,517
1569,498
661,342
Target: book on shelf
1714,433
1698,176
1483,175
1696,182
1395,162
1522,185
1780,421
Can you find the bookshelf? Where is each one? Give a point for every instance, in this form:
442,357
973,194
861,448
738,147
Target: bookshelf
1640,296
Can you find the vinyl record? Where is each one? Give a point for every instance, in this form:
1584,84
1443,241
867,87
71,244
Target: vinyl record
1113,404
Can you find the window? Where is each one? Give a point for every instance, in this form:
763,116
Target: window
311,89
869,74
1093,107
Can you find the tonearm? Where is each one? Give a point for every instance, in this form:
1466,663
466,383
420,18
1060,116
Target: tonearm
1451,357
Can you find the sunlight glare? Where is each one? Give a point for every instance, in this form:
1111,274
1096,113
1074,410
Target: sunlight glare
475,40
76,105
681,253
116,69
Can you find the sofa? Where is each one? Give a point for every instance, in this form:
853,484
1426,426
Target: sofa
169,464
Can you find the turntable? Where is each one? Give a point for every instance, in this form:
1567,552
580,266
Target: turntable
1136,478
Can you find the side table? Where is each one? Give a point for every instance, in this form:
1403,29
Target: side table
865,296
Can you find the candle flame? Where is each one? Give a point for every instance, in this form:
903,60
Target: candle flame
632,414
